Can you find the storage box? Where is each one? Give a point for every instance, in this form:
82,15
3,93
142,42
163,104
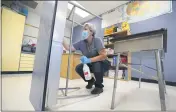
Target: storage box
108,31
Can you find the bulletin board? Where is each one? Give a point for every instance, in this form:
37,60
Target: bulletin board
141,10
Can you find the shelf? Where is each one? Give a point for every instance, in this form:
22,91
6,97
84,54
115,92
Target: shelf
23,52
32,26
109,45
120,67
112,55
117,34
30,36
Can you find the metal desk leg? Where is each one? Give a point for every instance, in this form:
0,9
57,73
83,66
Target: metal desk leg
162,66
160,80
140,77
140,68
69,57
115,81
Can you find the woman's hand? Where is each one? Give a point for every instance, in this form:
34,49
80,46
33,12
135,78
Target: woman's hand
66,46
85,60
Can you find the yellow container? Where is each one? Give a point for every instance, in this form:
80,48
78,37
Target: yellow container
108,31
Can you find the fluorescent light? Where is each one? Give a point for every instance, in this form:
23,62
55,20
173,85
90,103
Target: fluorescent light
70,6
78,11
81,13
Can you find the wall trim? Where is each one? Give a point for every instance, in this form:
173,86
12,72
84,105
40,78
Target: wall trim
132,78
153,81
16,72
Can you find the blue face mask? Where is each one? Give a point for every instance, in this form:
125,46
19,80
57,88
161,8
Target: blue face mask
85,34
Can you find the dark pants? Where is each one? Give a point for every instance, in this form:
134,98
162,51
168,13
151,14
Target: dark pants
97,69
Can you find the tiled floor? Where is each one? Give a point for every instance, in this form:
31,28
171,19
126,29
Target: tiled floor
16,88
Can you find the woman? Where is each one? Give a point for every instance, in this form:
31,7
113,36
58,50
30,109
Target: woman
94,56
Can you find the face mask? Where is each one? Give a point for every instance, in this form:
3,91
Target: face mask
85,34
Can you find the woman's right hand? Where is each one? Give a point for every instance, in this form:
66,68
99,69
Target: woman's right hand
66,46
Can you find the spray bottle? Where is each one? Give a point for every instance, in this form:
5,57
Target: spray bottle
87,73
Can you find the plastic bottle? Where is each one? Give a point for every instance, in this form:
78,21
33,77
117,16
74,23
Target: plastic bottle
87,73
114,60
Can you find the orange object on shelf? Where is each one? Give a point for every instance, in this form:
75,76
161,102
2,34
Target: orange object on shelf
118,34
108,31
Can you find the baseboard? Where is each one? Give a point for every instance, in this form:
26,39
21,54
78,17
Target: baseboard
132,78
153,81
16,72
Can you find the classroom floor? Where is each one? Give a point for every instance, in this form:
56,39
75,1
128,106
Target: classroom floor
16,88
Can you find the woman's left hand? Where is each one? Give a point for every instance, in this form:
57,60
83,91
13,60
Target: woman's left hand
85,60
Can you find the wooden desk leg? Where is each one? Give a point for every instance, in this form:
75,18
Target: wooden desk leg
115,81
160,80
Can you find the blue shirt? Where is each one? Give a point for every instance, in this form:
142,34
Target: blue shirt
91,50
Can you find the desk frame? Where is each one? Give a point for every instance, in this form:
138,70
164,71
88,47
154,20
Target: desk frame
161,46
160,76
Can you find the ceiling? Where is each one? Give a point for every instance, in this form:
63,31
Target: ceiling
96,7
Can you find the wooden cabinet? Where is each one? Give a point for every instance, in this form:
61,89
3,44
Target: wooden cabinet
75,60
12,34
26,62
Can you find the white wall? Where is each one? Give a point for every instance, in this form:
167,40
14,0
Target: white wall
111,18
34,20
31,28
67,32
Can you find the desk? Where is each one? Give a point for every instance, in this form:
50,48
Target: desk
148,41
75,60
116,35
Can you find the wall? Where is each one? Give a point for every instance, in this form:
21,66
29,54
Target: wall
31,28
164,21
67,31
67,34
78,30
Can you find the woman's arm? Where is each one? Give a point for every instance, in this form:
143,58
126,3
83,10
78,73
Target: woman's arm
102,56
66,46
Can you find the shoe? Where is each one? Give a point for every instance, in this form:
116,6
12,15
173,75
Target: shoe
90,83
97,90
89,86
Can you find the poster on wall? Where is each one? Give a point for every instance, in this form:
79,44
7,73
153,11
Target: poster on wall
141,10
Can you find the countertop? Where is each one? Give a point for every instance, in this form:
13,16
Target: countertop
72,53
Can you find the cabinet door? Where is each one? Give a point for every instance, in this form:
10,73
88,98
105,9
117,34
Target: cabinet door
12,34
76,61
64,66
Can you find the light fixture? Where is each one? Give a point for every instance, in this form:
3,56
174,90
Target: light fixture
78,11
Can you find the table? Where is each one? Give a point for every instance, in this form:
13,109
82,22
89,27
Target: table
147,41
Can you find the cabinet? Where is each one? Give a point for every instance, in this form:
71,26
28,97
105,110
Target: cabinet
26,62
75,60
12,34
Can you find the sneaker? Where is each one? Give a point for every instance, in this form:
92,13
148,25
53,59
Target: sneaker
97,90
90,83
89,86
